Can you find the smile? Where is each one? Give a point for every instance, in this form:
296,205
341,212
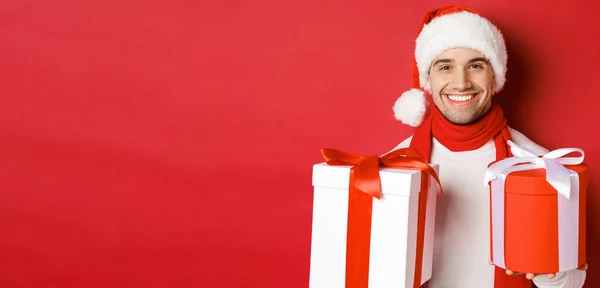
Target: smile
460,99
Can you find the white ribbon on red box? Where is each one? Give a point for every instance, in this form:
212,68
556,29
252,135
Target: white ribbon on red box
564,180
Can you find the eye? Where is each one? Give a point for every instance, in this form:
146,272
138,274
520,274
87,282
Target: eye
476,66
445,67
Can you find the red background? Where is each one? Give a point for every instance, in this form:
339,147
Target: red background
170,143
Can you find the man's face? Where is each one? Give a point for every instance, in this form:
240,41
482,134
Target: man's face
461,82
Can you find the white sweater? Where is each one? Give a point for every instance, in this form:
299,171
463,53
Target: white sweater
462,244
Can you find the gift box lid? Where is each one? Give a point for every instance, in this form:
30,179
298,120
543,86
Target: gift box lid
534,181
394,181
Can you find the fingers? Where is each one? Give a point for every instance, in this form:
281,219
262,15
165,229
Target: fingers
583,267
513,273
529,276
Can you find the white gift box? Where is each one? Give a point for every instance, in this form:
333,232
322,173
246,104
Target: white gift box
393,228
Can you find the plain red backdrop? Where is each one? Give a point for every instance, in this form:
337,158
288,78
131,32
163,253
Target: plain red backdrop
170,143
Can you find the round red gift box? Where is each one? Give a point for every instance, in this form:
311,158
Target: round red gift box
531,241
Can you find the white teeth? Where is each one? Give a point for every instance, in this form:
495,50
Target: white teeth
460,98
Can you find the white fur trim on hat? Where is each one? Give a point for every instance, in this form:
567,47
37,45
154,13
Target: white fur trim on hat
464,30
411,106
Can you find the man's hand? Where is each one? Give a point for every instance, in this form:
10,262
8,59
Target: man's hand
530,276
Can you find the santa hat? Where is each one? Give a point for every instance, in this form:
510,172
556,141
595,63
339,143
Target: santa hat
443,29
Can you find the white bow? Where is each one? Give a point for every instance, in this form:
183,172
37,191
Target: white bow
556,174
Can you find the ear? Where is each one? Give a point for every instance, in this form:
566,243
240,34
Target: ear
428,86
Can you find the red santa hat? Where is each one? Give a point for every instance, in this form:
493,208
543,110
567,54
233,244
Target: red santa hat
442,29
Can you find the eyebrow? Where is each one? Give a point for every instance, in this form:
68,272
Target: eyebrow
442,61
447,60
479,59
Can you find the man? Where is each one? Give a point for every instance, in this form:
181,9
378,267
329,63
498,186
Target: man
460,62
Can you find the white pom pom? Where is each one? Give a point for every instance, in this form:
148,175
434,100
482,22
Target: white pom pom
410,107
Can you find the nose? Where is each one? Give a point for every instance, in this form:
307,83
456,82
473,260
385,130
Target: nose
461,81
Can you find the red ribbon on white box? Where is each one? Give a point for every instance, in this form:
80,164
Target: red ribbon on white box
564,180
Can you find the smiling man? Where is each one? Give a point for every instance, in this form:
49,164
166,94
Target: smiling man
463,80
460,62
